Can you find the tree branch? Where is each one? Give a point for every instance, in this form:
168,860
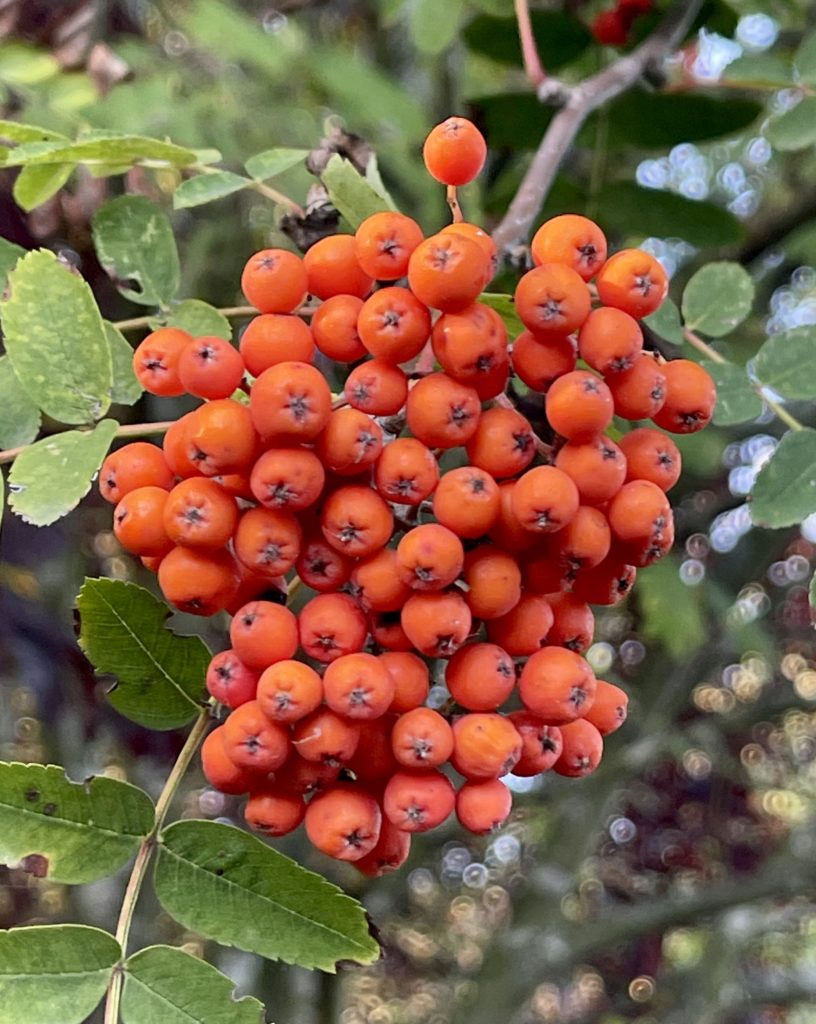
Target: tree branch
577,102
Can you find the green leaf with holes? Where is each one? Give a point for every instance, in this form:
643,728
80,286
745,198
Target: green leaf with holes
205,188
737,402
349,191
50,477
784,491
786,363
54,974
166,984
125,389
70,832
718,298
228,886
135,245
56,339
160,675
273,162
197,318
19,415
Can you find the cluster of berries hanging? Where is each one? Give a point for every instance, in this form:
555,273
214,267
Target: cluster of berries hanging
437,533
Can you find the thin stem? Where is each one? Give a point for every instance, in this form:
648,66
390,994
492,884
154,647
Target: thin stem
529,51
278,197
776,408
453,202
140,865
129,430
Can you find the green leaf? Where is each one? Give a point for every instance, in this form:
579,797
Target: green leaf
805,60
82,830
796,128
785,489
718,298
19,416
56,340
166,984
112,149
434,25
350,192
229,886
9,254
761,71
54,974
16,132
204,188
273,162
737,402
560,38
666,322
21,64
672,613
625,206
787,363
655,120
135,243
160,675
197,318
126,388
506,308
36,185
53,475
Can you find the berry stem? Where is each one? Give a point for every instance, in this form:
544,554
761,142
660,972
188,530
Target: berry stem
140,865
129,430
529,51
278,197
453,203
776,408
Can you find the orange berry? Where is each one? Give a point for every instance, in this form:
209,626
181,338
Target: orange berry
575,241
467,501
640,510
252,741
406,471
545,499
633,281
538,362
441,412
176,448
502,444
332,268
200,514
320,566
229,680
606,584
262,633
690,398
552,300
573,623
582,749
411,679
610,340
220,438
351,442
394,325
421,738
358,686
596,467
483,806
377,584
325,737
471,344
485,745
273,338
344,822
389,854
477,235
219,771
376,387
417,801
210,367
437,624
448,272
430,557
383,244
267,541
507,530
287,478
583,543
289,690
274,281
557,685
540,744
608,711
650,455
356,521
480,677
524,629
331,625
334,328
199,582
156,360
297,775
579,406
640,391
493,578
454,151
373,762
138,522
290,401
275,813
135,465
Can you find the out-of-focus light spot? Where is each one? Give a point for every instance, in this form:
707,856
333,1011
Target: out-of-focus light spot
696,764
756,32
692,572
641,989
600,657
622,831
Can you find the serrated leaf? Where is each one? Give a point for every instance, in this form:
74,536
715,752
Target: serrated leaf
560,38
434,25
350,192
229,886
125,389
24,65
273,162
54,974
786,363
737,402
80,831
205,188
168,985
805,60
672,613
795,129
160,675
135,243
56,339
506,308
666,322
9,254
112,149
14,131
718,298
197,318
784,491
19,416
35,185
760,71
53,475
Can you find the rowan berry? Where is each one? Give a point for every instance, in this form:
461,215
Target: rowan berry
138,522
480,676
575,241
610,340
540,743
273,338
334,328
332,268
290,479
650,455
235,484
573,623
199,513
579,406
411,679
467,501
690,398
156,361
557,685
633,281
417,801
583,543
321,567
229,680
639,511
596,467
135,465
485,745
252,741
387,632
494,381
507,531
483,806
350,442
430,557
406,472
538,362
262,633
610,29
274,281
545,573
544,499
220,438
267,541
288,690
582,750
176,448
389,854
326,737
493,578
421,738
441,412
471,344
290,401
606,584
640,391
608,711
199,582
524,629
437,624
343,822
219,771
356,521
210,367
376,387
331,625
373,762
383,244
454,151
297,775
275,813
477,235
502,444
376,582
448,272
358,686
394,325
552,300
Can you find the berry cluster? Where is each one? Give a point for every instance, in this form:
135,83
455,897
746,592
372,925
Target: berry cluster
613,27
425,515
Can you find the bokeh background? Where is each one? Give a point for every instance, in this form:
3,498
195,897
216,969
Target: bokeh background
678,884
